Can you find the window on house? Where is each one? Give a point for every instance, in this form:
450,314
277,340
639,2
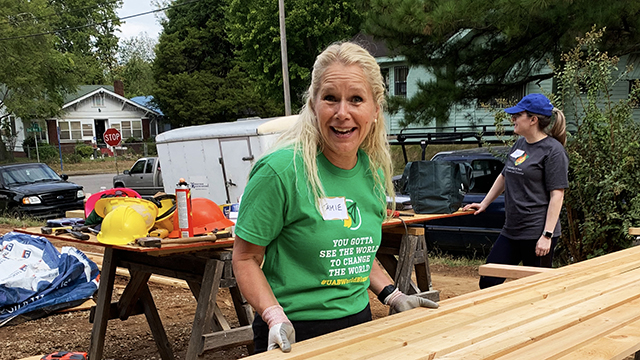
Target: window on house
126,129
70,130
508,97
400,79
98,100
131,129
137,129
76,130
116,126
87,130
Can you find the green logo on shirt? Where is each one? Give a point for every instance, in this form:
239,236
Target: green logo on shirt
354,221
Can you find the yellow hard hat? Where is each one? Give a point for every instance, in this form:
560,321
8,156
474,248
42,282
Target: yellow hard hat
164,220
146,208
121,226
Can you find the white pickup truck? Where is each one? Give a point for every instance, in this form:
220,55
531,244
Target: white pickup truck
145,177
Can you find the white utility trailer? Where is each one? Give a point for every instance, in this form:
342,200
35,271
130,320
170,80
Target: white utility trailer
216,158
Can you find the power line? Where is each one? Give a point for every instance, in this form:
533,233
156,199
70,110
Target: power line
69,11
95,24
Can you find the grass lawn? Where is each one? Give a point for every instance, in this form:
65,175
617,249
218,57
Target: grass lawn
100,166
105,165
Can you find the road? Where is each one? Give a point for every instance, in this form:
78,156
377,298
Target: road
93,183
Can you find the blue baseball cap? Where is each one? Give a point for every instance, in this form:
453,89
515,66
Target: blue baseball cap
533,103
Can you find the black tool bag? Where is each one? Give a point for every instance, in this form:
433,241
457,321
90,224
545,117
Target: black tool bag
436,187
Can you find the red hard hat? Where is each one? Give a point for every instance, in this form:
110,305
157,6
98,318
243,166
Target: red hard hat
206,217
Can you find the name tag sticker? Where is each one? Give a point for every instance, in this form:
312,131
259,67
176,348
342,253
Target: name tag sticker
334,208
517,153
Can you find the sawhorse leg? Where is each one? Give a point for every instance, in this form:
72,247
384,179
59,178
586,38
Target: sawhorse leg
138,290
411,254
205,309
105,290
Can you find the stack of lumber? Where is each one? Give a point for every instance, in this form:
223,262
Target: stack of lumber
587,310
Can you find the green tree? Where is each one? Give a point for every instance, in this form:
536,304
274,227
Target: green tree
198,78
135,65
88,31
481,49
602,201
311,26
34,75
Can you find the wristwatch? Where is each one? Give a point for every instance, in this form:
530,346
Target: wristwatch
547,234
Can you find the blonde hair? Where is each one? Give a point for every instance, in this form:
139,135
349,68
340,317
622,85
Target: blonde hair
305,136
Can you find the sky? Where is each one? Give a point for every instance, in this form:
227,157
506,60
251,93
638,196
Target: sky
145,23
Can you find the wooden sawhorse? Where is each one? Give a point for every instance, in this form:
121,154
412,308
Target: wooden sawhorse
205,271
410,246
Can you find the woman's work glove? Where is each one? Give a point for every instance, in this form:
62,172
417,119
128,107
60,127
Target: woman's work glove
400,302
281,331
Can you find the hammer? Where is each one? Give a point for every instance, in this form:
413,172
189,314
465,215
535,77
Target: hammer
47,230
152,241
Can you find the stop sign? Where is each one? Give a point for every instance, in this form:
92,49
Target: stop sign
112,137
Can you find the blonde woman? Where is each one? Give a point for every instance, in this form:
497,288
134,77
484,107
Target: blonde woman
313,209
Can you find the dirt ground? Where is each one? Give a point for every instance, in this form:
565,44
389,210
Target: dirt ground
132,339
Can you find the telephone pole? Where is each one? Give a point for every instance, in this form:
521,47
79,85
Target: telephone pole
285,61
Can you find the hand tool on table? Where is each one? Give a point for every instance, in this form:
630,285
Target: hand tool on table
47,230
161,233
398,214
85,229
152,241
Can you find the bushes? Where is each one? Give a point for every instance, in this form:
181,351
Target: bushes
72,158
83,150
29,142
604,151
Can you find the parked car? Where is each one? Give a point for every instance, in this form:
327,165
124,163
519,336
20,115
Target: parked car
35,189
145,177
473,234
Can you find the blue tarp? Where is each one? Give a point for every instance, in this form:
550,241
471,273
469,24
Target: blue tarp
36,279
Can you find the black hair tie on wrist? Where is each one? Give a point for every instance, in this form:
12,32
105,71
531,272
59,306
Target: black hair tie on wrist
386,292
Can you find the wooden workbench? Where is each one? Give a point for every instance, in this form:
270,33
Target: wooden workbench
205,266
588,310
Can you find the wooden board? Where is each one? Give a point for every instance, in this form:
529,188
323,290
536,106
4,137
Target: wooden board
420,218
509,271
166,249
553,314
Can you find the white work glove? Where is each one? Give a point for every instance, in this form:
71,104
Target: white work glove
281,331
400,302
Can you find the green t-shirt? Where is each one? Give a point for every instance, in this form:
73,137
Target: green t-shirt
318,269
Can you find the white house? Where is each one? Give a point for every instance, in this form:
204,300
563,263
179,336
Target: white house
87,113
93,109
